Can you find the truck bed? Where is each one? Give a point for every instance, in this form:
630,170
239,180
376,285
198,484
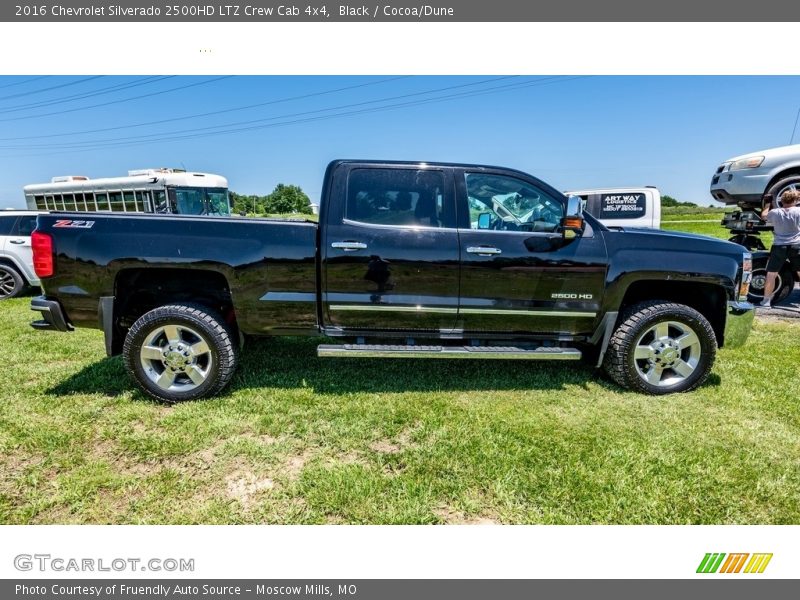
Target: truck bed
267,265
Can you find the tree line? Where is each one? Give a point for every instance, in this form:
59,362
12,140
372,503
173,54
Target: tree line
283,199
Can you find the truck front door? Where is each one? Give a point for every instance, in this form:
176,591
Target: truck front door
518,275
390,253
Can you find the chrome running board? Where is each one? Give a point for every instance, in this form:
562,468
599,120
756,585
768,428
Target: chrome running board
482,352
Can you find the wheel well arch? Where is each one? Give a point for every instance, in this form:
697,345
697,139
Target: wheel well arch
782,175
706,298
138,291
4,260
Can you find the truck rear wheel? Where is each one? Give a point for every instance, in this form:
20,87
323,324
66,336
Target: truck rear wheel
661,348
180,352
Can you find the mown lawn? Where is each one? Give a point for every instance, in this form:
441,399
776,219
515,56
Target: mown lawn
297,439
701,220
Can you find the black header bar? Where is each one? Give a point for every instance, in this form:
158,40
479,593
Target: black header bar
377,589
711,11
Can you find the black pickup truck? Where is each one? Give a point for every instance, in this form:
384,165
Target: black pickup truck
425,260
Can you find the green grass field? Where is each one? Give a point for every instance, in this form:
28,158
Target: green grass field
297,439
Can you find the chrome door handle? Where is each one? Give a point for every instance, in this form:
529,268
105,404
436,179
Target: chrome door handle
17,241
349,246
484,250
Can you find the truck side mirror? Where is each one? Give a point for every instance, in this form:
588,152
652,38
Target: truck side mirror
484,220
572,223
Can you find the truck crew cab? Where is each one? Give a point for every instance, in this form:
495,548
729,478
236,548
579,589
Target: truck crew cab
417,260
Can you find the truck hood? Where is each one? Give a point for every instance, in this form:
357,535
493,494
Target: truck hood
676,241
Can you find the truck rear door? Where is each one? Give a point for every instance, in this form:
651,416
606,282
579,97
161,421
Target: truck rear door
517,275
390,250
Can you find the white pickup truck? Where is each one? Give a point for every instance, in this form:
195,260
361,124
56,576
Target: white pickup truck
623,207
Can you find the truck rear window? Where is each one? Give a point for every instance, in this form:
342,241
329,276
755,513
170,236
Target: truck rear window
401,197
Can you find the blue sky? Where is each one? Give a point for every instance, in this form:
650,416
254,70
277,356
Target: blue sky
573,132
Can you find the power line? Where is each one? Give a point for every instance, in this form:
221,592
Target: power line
467,94
54,87
99,92
791,139
262,120
71,110
23,82
207,114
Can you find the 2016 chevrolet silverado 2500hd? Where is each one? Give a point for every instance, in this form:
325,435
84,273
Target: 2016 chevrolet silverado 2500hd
408,260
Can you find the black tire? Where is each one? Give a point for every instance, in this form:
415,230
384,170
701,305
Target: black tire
666,363
791,182
12,283
784,284
164,354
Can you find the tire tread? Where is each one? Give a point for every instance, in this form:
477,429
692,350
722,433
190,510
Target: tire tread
615,361
213,325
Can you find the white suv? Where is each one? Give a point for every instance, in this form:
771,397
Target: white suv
16,256
743,180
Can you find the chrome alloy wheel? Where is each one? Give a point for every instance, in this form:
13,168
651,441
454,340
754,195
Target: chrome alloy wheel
176,358
7,284
667,353
794,187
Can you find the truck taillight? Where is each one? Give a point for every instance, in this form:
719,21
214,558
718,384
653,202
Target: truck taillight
42,244
747,275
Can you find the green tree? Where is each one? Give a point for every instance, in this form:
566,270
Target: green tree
670,201
288,199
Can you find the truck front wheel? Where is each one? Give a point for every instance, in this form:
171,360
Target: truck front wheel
180,352
660,348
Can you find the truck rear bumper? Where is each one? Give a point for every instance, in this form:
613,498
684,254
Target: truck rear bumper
738,322
53,316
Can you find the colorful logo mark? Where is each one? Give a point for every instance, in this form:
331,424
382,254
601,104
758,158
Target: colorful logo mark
713,563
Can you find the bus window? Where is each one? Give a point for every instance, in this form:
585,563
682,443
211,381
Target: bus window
144,202
160,199
115,199
102,200
69,202
40,203
130,201
218,202
189,201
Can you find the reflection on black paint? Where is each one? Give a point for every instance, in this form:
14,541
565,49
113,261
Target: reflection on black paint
378,272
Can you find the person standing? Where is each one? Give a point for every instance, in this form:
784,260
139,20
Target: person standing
785,221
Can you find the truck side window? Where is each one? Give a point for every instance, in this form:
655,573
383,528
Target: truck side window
510,204
402,197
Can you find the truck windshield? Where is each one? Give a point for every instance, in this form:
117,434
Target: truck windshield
200,201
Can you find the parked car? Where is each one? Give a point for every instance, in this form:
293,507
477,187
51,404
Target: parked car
16,257
409,260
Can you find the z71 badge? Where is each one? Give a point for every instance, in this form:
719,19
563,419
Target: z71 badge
71,223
